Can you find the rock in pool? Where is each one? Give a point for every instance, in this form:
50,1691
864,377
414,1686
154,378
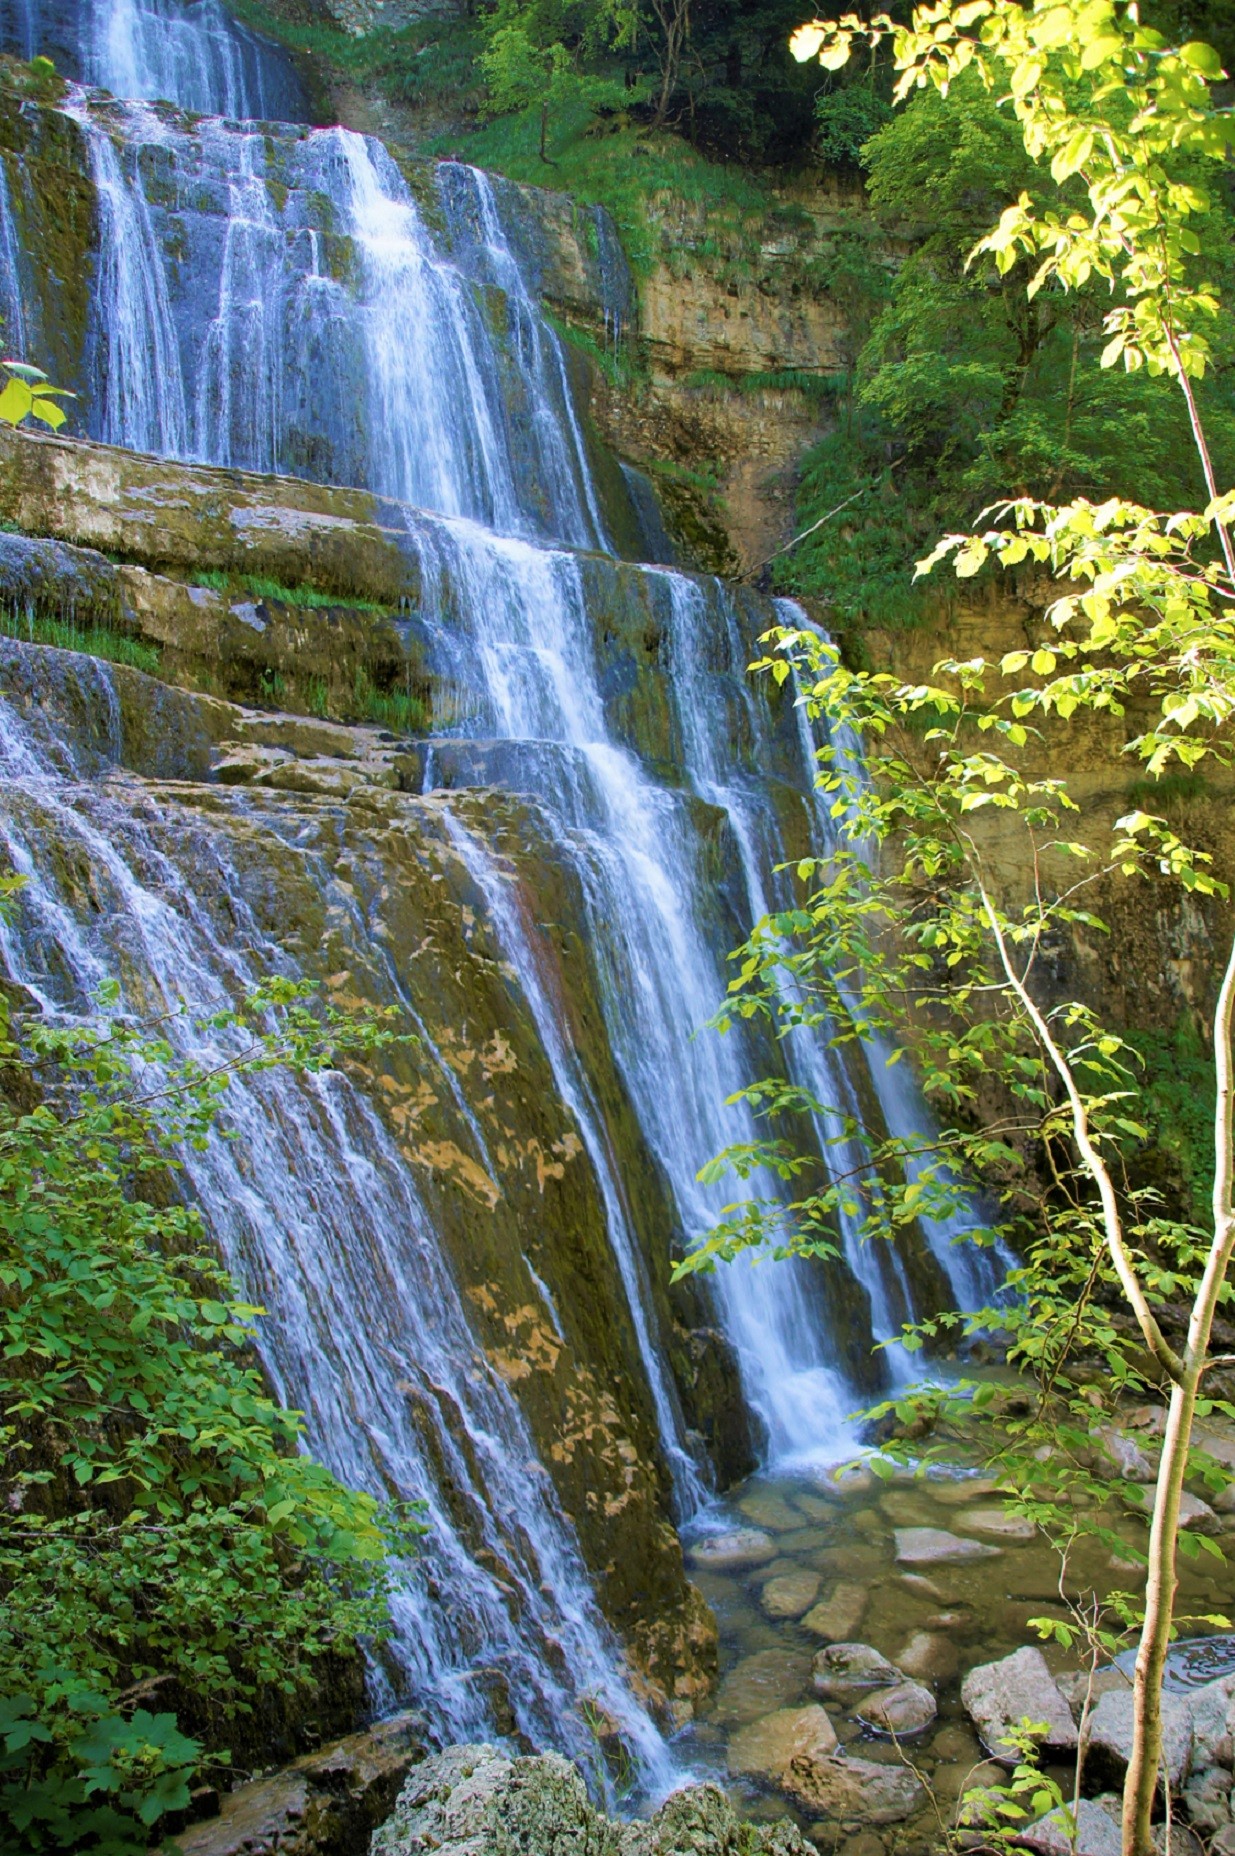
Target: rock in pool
908,1708
999,1696
790,1593
763,1748
845,1670
935,1546
1110,1737
742,1546
854,1789
839,1615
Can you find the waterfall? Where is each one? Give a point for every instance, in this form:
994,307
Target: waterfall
317,1213
188,52
292,302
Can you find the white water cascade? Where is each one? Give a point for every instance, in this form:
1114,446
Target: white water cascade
291,302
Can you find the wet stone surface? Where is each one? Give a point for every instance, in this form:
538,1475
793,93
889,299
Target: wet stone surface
929,1578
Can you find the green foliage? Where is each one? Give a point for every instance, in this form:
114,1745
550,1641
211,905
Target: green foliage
1175,1083
28,394
94,640
845,120
161,1526
975,386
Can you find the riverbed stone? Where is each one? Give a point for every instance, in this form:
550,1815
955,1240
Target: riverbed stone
760,1683
928,1657
1207,1797
846,1670
790,1593
854,1790
997,1524
839,1614
905,1709
740,1546
1109,1739
763,1748
934,1546
770,1511
998,1696
1096,1833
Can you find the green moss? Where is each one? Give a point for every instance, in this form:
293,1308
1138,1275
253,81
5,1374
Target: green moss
623,367
261,587
93,640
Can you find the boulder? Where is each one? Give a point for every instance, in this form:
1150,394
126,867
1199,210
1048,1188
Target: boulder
697,1821
928,1657
1196,1515
1213,1723
763,1748
1096,1833
845,1670
790,1593
1206,1798
935,1546
854,1790
999,1696
741,1546
1182,1841
839,1615
476,1801
325,1804
1128,1455
1109,1739
1075,1684
475,1798
907,1708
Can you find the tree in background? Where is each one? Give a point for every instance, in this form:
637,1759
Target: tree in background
904,937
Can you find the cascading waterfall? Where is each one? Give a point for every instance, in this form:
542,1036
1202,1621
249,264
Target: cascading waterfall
188,52
290,303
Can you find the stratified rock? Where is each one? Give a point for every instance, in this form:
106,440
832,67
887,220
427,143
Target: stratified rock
928,1657
998,1524
839,1615
476,1799
908,1708
854,1789
790,1593
763,1749
1110,1737
845,1670
999,1696
323,1805
935,1546
1096,1833
742,1546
